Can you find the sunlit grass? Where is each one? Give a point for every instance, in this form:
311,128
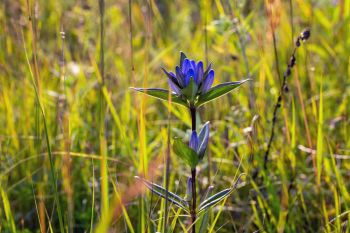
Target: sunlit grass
106,134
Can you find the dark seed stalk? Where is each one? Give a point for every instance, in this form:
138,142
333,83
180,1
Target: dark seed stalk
284,89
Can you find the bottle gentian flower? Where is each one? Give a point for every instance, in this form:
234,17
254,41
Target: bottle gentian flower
191,85
190,80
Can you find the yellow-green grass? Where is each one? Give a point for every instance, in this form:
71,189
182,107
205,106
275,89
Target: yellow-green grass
72,138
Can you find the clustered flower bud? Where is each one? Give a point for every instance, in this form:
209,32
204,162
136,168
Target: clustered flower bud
303,37
190,80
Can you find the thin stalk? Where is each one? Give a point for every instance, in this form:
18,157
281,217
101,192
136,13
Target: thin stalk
66,143
93,197
207,62
48,143
193,175
194,196
132,70
167,167
242,43
240,31
37,141
102,138
35,79
284,88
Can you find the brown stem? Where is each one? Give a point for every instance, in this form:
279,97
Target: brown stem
193,174
193,209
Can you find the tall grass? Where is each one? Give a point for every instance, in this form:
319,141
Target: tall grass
103,135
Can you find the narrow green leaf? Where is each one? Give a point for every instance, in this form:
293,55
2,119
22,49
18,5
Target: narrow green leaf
218,91
204,223
161,94
188,155
204,219
7,210
160,191
319,148
214,199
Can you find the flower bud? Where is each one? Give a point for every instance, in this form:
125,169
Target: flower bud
194,141
305,35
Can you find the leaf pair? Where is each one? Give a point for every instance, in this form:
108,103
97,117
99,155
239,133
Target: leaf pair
183,204
216,198
213,93
162,192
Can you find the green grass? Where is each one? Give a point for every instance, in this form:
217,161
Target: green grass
73,135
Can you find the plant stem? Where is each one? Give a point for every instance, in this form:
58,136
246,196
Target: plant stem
193,210
193,116
193,174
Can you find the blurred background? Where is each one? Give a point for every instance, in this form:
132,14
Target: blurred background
73,135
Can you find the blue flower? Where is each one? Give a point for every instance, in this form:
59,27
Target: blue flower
199,143
191,85
190,72
194,141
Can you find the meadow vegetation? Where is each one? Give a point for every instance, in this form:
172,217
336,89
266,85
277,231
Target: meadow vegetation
73,135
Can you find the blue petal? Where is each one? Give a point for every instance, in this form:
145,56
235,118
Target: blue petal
194,141
169,74
193,64
185,65
173,86
182,57
207,70
189,74
173,78
208,81
179,76
199,72
172,74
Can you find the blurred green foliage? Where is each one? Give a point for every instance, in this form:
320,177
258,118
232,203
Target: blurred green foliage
292,195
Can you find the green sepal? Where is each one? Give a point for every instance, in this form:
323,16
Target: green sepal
190,92
188,155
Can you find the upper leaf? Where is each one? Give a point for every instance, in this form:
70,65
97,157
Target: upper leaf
218,91
161,94
188,155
